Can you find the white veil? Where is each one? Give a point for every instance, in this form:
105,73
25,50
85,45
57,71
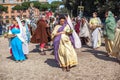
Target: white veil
20,26
20,36
77,40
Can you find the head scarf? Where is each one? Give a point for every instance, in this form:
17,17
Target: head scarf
110,26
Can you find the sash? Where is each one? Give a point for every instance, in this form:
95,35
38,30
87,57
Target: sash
56,42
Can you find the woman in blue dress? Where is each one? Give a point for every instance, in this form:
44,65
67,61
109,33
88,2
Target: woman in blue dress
16,43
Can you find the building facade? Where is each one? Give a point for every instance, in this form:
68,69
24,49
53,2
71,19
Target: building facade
6,16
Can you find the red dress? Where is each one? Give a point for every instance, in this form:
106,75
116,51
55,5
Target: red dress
77,27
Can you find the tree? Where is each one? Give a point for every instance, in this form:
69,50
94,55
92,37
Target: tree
2,8
44,7
26,5
55,4
90,6
36,4
18,7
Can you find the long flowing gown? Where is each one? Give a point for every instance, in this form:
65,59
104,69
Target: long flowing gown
116,44
109,31
16,45
63,49
84,33
96,33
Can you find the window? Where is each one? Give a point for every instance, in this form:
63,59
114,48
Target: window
11,1
7,17
1,17
7,21
24,16
3,1
24,11
6,12
12,17
18,11
12,11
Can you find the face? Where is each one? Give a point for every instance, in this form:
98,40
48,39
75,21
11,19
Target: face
23,23
83,20
44,18
62,21
14,22
94,15
106,14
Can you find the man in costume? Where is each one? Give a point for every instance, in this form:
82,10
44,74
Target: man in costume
40,35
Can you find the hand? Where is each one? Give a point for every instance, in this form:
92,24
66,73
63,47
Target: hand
63,32
60,33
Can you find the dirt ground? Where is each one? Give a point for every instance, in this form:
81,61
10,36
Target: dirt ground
93,65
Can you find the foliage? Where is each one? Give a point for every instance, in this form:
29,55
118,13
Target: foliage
18,7
36,4
90,6
26,5
55,4
44,6
2,8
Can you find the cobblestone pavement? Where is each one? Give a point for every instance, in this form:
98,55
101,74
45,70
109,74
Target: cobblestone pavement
93,65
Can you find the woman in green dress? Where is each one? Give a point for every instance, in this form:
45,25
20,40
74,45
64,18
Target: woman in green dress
109,31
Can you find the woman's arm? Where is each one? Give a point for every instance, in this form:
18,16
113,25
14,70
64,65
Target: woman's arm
63,32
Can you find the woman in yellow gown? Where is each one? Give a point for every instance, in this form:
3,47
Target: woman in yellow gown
96,31
116,43
63,45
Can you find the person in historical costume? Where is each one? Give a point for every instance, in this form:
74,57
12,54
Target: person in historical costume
109,31
95,26
40,35
32,15
116,42
77,26
26,30
52,24
26,36
84,32
16,40
63,42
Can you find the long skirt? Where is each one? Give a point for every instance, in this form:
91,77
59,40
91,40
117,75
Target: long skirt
17,50
116,45
96,38
108,45
66,54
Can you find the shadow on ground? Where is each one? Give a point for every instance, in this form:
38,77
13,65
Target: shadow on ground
37,49
11,58
101,55
52,63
